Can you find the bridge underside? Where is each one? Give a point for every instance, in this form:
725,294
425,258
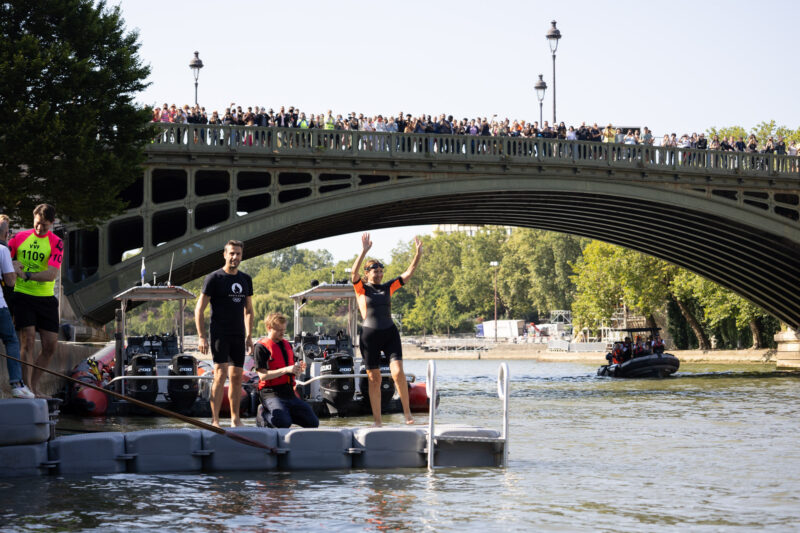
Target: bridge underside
761,266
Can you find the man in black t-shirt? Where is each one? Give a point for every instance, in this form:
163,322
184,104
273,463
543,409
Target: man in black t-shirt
230,293
277,370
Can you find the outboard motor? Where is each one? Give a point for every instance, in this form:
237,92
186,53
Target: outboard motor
387,383
182,393
338,393
146,390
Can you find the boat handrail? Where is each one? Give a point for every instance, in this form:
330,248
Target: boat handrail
412,377
502,392
430,387
208,377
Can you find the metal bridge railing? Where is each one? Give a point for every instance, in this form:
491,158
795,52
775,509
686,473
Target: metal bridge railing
204,138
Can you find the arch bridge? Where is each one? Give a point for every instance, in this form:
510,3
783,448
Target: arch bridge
729,216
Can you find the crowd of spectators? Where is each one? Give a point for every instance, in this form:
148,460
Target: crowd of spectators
292,117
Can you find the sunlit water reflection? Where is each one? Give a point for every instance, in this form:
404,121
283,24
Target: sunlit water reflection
714,448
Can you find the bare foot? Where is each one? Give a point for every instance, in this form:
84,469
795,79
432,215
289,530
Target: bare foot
409,421
237,423
215,423
376,426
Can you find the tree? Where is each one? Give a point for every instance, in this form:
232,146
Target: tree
536,270
473,278
721,305
607,273
430,302
71,130
763,130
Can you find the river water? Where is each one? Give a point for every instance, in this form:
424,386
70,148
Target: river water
715,448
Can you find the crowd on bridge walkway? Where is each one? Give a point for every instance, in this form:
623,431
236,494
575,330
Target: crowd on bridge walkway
292,117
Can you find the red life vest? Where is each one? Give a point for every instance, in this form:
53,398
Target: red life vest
277,362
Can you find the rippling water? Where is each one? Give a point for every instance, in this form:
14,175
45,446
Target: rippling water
714,448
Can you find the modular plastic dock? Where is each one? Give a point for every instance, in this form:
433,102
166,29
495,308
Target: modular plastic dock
27,449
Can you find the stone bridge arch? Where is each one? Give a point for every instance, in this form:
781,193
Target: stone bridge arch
732,218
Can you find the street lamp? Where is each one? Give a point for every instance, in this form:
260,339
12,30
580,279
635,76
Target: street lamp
494,265
553,35
540,87
196,64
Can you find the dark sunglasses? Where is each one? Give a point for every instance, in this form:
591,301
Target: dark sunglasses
373,266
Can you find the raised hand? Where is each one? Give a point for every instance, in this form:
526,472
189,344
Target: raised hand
418,244
366,243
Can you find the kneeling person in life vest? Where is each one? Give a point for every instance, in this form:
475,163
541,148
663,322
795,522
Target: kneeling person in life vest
277,371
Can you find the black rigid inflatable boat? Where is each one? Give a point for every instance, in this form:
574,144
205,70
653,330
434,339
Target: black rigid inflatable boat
644,366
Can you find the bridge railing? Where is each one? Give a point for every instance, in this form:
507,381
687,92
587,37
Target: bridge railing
249,139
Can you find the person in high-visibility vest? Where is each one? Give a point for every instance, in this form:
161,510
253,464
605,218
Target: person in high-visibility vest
330,122
37,255
302,122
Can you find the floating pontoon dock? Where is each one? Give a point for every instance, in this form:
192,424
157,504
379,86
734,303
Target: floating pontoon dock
28,449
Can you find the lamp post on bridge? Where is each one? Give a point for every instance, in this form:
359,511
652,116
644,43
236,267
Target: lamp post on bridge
540,87
196,64
553,35
494,264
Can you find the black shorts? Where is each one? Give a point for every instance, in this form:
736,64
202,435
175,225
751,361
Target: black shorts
39,311
375,341
228,349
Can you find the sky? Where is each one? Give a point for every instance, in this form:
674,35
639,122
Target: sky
678,66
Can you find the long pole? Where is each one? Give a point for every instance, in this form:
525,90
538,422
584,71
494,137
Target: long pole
495,305
554,89
151,407
541,104
195,85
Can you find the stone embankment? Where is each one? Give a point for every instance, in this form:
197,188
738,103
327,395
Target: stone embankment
539,352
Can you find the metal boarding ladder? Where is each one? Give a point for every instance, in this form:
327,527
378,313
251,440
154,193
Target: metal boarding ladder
502,392
411,377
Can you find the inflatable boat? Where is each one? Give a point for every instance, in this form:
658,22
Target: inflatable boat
153,368
644,366
644,358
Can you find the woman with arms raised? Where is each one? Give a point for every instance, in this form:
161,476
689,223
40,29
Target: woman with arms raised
378,332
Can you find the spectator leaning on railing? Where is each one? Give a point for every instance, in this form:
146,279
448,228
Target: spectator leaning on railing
234,115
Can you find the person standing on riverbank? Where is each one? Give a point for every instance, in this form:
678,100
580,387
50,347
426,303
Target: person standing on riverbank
378,332
230,293
37,255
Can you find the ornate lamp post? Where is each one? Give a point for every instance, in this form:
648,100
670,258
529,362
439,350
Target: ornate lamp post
540,87
196,64
494,264
553,35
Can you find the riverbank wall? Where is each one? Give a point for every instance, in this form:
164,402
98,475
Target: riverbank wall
539,352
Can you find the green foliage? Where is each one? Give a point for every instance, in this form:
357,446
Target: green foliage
607,275
436,305
536,274
762,131
71,131
453,287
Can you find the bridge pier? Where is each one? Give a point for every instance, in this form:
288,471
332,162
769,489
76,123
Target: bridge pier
788,355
